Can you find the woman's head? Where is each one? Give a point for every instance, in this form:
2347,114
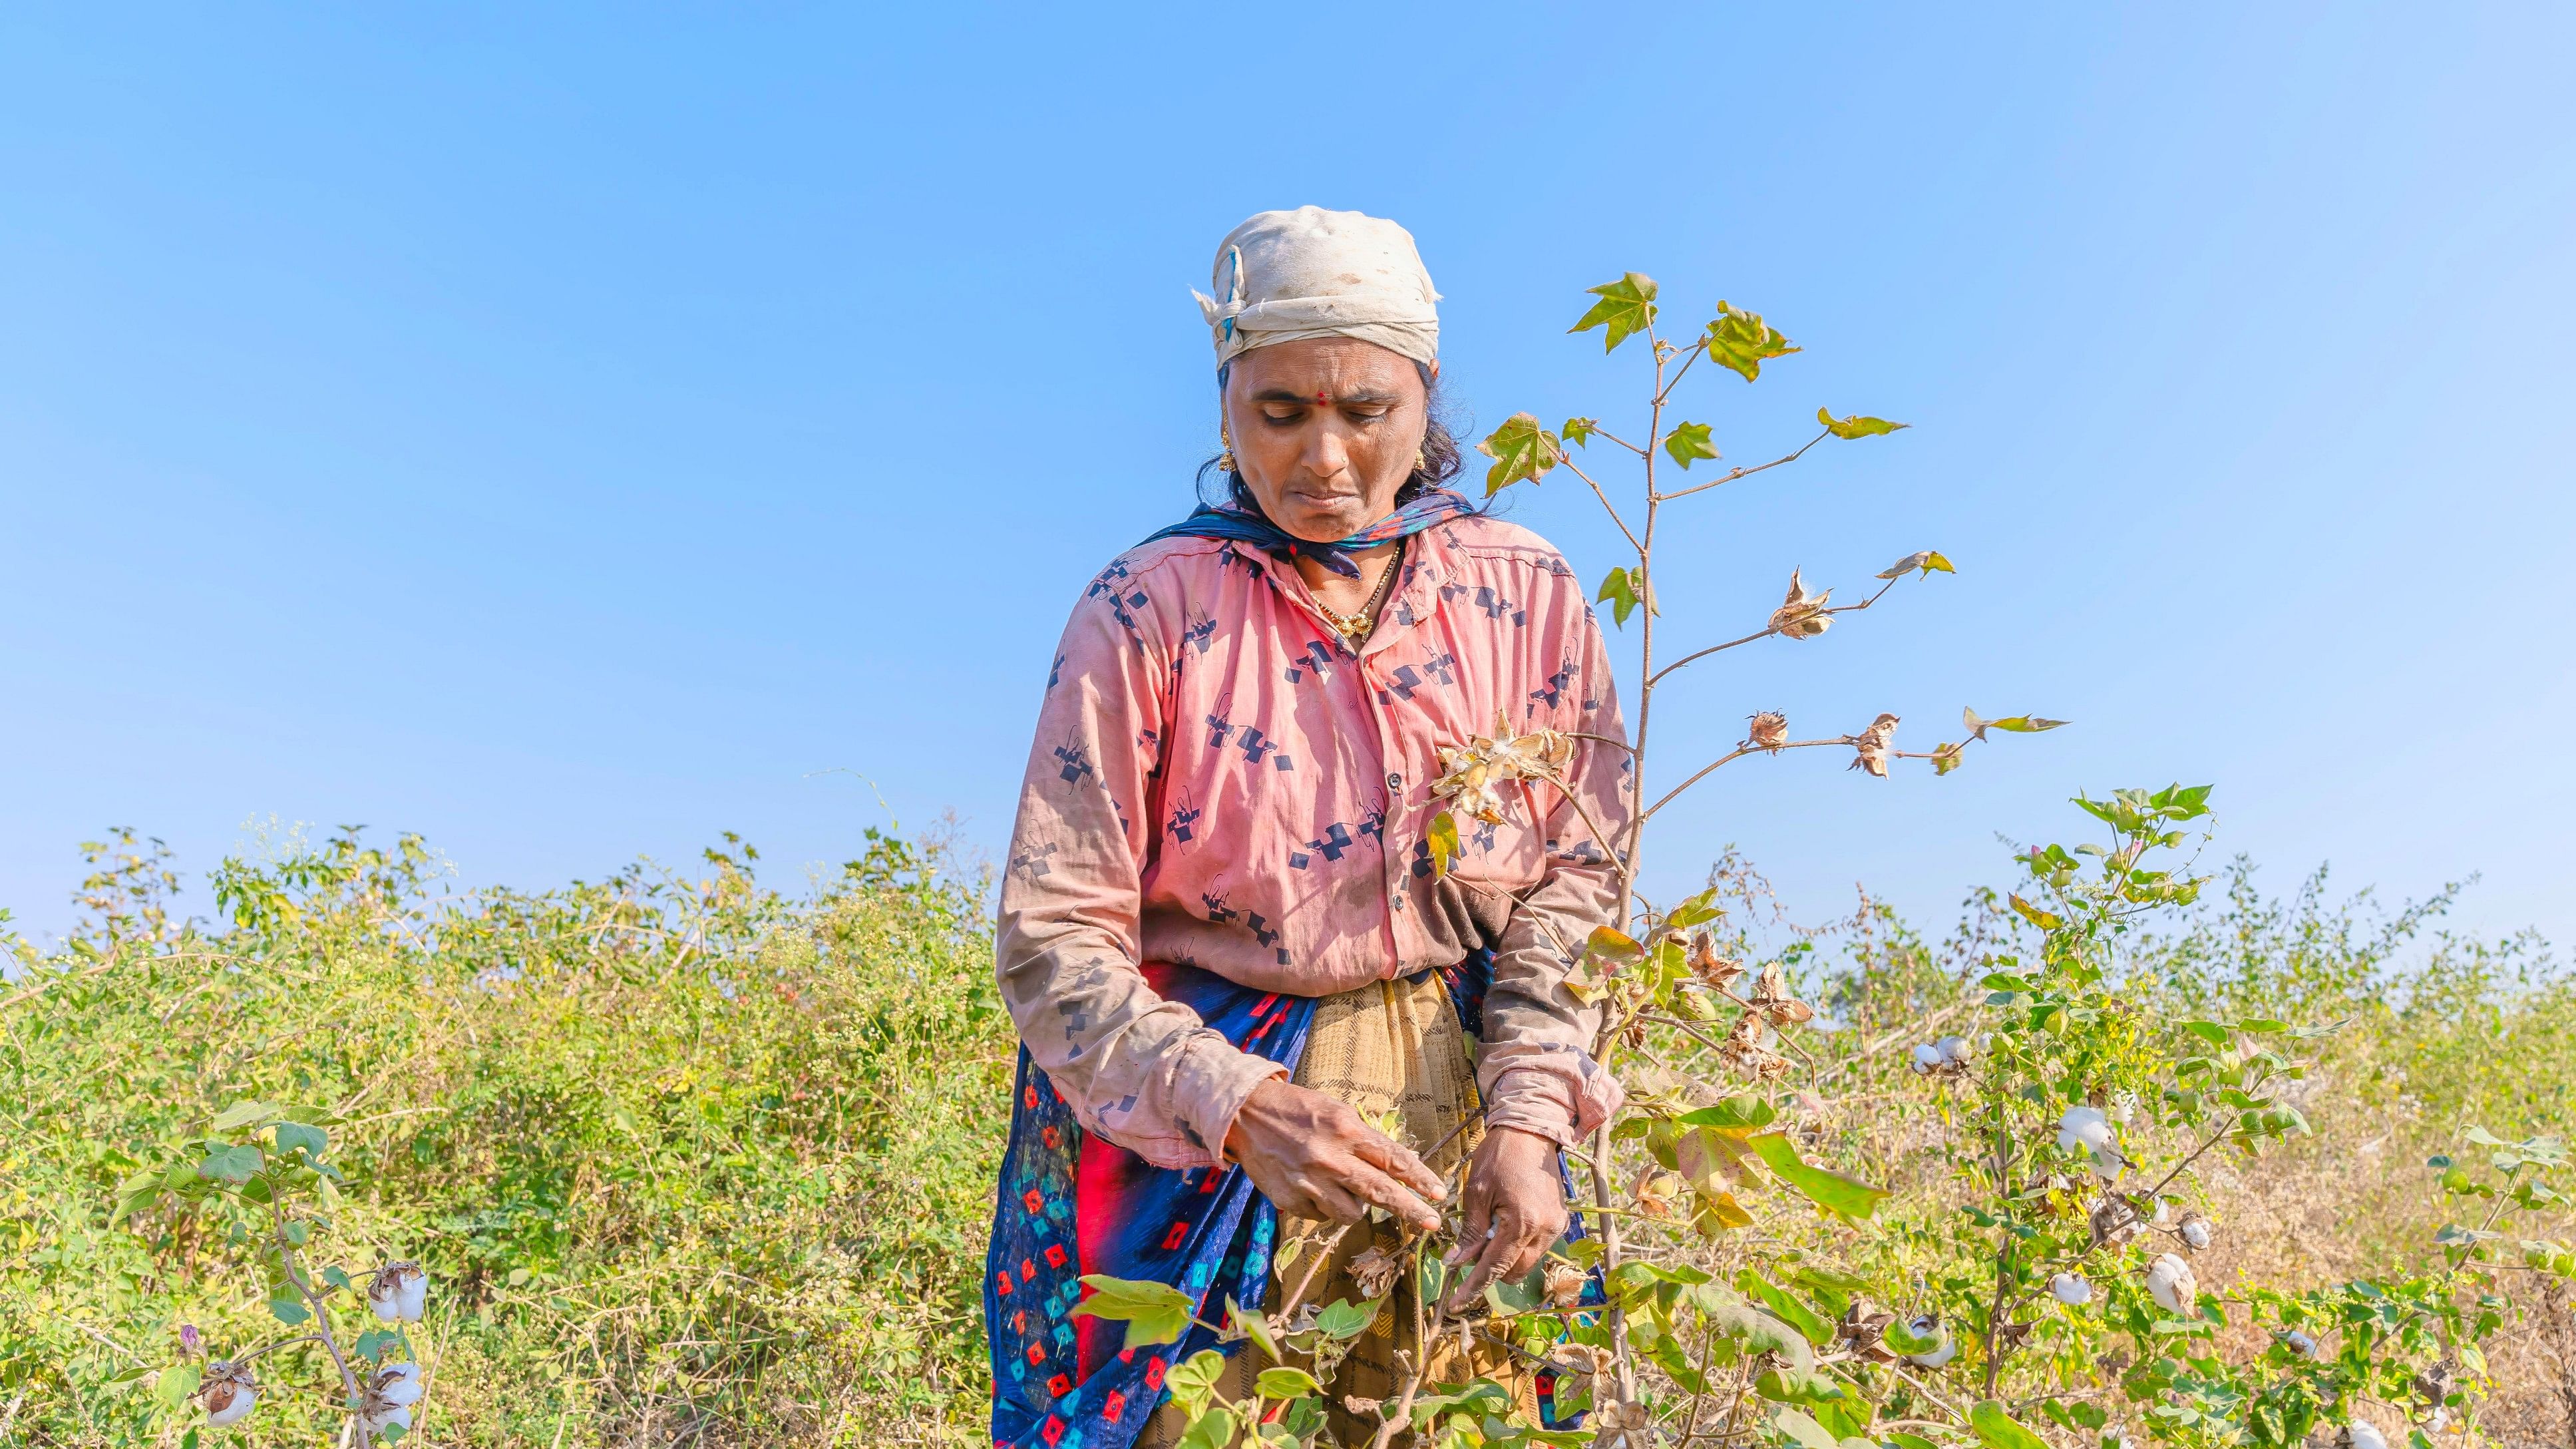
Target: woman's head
1327,343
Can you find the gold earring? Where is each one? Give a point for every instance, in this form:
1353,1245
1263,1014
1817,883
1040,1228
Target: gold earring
1420,462
1225,457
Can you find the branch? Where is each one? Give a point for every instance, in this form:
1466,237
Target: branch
1749,638
1568,464
1739,752
1743,472
1689,356
1601,432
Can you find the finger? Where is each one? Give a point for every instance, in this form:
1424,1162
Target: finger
1391,1195
1403,1163
1497,1251
1533,1245
1333,1200
1475,1218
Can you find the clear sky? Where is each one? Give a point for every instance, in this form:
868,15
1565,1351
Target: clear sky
572,432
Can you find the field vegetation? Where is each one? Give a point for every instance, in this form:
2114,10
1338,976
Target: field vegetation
692,1160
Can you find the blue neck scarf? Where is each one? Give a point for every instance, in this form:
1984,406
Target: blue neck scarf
1435,506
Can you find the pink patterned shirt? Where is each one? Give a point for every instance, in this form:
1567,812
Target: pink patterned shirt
1217,781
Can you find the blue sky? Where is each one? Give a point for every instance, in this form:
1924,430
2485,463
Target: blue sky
573,434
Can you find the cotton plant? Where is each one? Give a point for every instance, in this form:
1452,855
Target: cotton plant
265,1170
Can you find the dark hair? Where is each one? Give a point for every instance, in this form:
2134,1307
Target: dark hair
1442,459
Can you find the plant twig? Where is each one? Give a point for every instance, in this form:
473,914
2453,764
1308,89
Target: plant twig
1742,472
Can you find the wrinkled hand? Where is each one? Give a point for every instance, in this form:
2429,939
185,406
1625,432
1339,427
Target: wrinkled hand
1515,1210
1313,1157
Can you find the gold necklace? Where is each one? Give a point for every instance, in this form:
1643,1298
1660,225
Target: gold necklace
1355,628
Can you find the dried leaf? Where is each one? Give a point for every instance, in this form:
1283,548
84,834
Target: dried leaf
1873,744
1928,561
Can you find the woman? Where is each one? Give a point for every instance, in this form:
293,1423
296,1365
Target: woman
1222,935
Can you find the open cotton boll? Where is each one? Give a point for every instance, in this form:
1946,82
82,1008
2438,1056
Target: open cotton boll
398,1383
400,1293
2171,1284
2070,1290
229,1392
2299,1343
2361,1434
2084,1127
1955,1049
1927,1057
2196,1230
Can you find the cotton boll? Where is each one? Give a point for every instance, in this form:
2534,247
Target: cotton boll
1944,1348
1955,1049
2434,1421
2196,1230
2361,1434
2084,1127
378,1416
398,1383
2171,1284
2299,1343
2164,1210
1927,1058
400,1293
229,1391
2070,1290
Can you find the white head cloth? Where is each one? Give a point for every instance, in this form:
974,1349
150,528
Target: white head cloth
1284,275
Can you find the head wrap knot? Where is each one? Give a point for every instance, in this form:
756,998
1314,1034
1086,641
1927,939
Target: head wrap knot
1286,275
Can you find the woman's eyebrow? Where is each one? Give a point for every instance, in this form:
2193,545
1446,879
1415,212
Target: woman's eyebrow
1365,397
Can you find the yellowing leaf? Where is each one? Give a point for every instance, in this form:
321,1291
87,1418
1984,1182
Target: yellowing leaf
1626,308
1520,449
1443,838
2024,724
1608,944
1742,341
1948,757
1689,441
2045,920
1928,561
1856,426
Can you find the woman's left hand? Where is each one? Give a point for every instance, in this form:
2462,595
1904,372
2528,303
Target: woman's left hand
1514,1210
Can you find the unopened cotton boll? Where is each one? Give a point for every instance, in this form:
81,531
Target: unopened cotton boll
2362,1434
2171,1284
2084,1127
2196,1231
1944,1348
2070,1290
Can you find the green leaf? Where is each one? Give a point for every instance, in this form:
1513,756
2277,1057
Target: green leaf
1786,1307
1579,431
1742,341
1286,1383
392,1433
334,1276
1744,1112
1856,426
1808,1433
178,1381
2208,1031
1253,1324
1997,1429
1443,839
2024,724
294,1135
1626,308
1191,1381
1688,442
1155,1312
231,1164
1829,1190
288,1311
1345,1319
1520,449
1624,589
239,1114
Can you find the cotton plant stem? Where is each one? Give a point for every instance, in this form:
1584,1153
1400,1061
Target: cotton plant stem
312,1300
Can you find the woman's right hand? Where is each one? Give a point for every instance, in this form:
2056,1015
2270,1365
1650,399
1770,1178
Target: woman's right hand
1313,1157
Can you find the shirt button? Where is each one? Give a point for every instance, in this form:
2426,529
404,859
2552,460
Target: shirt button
1395,783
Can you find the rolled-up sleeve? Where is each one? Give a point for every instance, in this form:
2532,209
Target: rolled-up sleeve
1144,1072
1536,1070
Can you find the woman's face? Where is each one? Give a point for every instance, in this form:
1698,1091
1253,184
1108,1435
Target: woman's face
1325,430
